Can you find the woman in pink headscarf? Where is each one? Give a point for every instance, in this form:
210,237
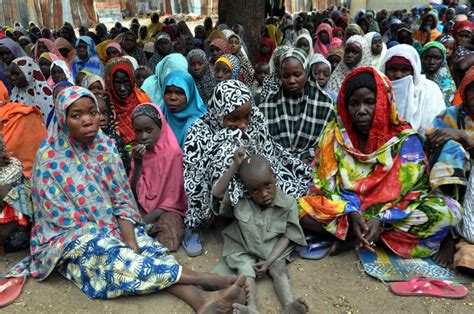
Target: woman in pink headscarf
323,39
45,45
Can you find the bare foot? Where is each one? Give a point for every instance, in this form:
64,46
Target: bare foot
444,256
244,309
340,246
217,282
222,301
298,306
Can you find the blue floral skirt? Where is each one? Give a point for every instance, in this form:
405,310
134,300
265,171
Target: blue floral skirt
104,267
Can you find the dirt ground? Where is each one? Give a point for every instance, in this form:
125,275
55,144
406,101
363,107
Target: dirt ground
331,285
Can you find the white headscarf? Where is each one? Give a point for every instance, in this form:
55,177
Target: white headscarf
418,99
376,59
309,39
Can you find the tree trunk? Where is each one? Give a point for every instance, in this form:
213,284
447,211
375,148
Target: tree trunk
250,14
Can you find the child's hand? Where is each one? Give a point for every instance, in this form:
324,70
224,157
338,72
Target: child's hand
239,156
261,268
138,152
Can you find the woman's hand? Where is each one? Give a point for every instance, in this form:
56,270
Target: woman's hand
440,136
360,229
138,152
239,156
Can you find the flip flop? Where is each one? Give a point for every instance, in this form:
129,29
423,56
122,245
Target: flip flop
316,251
10,289
424,286
192,242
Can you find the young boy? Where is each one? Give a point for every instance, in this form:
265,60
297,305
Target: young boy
262,70
321,71
264,232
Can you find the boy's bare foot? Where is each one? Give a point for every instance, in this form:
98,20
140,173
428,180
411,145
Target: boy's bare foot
244,309
298,306
340,246
218,282
222,301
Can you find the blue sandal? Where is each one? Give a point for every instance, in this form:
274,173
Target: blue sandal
316,251
192,242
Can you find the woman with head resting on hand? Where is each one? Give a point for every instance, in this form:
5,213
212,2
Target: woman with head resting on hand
87,226
371,179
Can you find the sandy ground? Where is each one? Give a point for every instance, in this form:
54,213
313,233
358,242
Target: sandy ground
330,285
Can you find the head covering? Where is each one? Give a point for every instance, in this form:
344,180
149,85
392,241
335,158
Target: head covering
90,79
157,56
161,183
13,46
319,58
233,63
376,59
260,56
385,123
420,34
273,81
222,44
124,107
353,27
319,46
92,63
207,82
274,34
114,45
443,76
462,26
418,100
63,65
194,109
70,177
51,58
154,84
342,69
51,48
310,41
37,93
210,148
62,43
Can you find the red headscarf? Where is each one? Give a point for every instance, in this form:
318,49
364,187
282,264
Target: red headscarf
222,44
124,107
265,58
461,26
466,81
385,123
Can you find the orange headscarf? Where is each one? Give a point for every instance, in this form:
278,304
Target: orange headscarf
23,130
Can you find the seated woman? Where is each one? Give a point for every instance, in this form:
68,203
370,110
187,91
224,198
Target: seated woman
200,70
231,122
86,58
371,180
9,51
60,72
451,139
435,67
124,95
66,50
44,62
378,48
182,104
418,99
86,222
297,130
305,42
94,83
156,177
112,50
218,47
323,39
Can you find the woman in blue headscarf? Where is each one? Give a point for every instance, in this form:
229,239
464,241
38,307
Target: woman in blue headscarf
87,57
182,104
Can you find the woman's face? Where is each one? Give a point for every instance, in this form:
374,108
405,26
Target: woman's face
122,84
463,36
104,114
322,73
58,75
377,46
82,50
234,44
112,53
398,71
216,52
196,66
23,43
146,131
42,48
432,60
352,55
339,34
96,87
140,76
45,66
469,97
324,37
79,77
334,60
222,72
175,99
163,46
64,33
6,55
18,79
83,120
303,44
293,76
450,48
239,118
128,42
361,108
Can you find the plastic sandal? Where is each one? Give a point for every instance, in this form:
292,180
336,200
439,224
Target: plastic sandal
316,251
10,289
192,242
424,286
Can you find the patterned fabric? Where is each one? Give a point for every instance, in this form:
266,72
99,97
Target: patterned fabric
77,189
90,79
105,268
296,121
37,93
443,76
273,81
210,147
92,63
247,73
376,59
49,45
207,82
65,67
389,182
234,63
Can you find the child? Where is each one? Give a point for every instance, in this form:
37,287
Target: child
264,232
262,70
226,68
157,176
141,74
321,71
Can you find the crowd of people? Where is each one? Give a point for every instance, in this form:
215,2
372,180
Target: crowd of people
122,145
